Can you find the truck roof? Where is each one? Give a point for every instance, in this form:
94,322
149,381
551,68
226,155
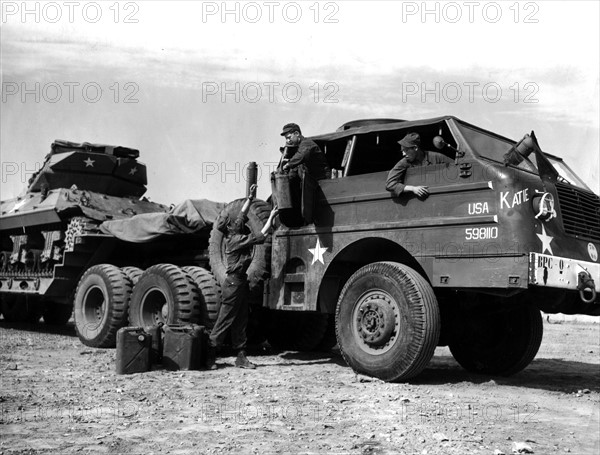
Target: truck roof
388,125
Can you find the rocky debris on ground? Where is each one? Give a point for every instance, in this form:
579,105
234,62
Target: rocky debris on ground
521,447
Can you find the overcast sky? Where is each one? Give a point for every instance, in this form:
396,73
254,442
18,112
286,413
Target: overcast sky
201,93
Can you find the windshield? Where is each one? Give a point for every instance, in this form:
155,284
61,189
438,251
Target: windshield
495,148
565,174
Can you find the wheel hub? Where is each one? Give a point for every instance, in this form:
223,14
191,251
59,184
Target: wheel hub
94,305
154,307
376,320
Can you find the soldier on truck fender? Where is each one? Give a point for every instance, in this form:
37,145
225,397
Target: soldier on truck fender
414,156
233,312
308,155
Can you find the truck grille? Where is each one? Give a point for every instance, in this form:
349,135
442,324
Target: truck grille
580,210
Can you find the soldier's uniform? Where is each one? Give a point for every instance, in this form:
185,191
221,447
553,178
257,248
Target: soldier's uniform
310,156
233,312
395,180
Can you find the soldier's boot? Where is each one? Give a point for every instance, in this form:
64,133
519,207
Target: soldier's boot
243,362
211,358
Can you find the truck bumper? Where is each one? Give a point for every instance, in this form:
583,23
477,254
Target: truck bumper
563,273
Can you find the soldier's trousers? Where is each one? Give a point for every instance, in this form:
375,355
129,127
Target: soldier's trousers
233,313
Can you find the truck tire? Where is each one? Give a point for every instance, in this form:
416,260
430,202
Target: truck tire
387,321
499,343
210,290
258,214
100,305
57,313
165,293
133,273
20,308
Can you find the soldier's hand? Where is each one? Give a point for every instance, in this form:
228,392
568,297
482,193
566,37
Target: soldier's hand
252,194
421,191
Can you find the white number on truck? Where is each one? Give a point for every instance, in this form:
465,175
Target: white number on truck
482,233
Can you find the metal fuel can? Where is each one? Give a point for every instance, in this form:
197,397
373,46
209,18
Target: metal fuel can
184,347
134,349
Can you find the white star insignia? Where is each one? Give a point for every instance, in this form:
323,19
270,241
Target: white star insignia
546,239
89,162
317,253
133,170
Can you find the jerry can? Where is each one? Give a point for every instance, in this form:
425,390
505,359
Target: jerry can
185,347
134,347
281,186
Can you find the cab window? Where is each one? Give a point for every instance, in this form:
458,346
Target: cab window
379,151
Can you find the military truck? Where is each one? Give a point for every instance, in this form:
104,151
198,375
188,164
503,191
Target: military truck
506,231
81,239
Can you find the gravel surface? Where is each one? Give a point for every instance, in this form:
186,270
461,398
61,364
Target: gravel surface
58,396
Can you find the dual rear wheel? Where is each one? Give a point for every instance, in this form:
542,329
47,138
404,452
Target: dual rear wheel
108,298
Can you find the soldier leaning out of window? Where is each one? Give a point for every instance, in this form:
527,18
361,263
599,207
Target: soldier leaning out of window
305,153
414,156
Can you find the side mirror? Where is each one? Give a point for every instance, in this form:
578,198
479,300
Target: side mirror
439,143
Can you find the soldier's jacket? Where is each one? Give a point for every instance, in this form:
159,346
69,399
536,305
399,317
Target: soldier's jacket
395,180
238,250
310,155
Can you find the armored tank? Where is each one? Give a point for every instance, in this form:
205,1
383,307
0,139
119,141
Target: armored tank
50,233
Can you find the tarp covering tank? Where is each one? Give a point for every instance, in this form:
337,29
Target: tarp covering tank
189,217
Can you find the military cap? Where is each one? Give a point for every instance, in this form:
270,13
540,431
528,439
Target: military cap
225,223
222,223
410,140
289,127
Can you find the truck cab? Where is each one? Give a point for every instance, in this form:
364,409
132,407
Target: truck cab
505,231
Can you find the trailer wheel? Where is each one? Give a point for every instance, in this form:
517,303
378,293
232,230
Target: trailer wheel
258,214
133,273
21,308
100,305
56,313
210,290
498,343
387,321
165,293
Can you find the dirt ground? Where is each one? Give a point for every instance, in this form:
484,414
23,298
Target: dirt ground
58,396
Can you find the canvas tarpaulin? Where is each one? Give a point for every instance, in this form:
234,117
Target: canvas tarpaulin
186,218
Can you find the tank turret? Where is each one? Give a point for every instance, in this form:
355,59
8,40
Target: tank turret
107,169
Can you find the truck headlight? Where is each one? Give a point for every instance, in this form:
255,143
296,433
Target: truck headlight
543,205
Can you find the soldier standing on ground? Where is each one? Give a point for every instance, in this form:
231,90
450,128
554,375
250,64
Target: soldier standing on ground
308,155
233,312
414,156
